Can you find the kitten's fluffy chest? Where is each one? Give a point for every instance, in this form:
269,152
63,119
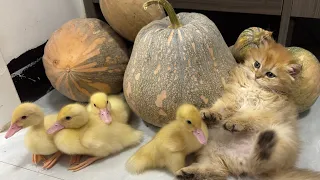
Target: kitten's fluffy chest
252,97
249,94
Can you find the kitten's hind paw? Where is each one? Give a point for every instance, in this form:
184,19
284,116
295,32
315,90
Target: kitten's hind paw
266,142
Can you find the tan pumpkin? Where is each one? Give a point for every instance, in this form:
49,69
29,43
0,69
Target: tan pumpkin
179,59
127,17
307,84
85,56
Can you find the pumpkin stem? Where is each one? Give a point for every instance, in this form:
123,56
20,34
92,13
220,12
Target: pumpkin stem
175,23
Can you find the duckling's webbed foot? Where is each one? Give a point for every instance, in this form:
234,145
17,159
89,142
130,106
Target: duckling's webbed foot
36,158
74,160
84,164
49,163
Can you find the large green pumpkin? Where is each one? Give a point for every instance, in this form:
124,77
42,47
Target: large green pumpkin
84,56
179,59
307,86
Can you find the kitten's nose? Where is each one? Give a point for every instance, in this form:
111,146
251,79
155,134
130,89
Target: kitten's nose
258,76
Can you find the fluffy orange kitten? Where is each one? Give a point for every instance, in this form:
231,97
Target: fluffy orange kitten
253,126
273,66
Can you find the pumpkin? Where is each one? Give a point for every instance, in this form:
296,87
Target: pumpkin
127,17
307,88
85,56
180,59
249,38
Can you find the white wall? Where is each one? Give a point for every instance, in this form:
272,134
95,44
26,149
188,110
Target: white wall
26,24
9,98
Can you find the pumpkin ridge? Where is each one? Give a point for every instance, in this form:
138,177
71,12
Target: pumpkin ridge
182,75
89,65
59,80
89,70
72,77
68,85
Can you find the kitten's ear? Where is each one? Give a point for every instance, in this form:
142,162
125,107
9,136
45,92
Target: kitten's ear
267,38
265,43
294,69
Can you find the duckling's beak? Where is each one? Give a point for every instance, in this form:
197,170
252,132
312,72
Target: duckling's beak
55,128
105,116
200,136
14,128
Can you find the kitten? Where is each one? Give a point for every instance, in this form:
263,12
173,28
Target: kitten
261,121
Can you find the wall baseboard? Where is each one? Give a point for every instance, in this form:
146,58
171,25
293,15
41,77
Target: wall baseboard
28,75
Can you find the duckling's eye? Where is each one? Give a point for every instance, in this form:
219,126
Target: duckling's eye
189,122
24,117
107,102
68,118
95,105
257,64
270,75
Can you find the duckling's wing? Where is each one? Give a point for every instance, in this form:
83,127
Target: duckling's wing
90,140
175,143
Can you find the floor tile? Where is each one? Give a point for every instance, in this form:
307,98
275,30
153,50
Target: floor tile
13,172
16,160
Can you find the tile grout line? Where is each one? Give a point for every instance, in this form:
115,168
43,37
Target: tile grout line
31,170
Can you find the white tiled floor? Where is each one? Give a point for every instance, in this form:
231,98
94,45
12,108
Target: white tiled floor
15,161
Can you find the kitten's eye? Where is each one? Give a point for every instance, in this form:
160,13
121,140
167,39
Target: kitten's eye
24,117
189,122
270,75
68,118
95,105
257,64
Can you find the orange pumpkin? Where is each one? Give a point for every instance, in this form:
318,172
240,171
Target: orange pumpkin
127,17
85,56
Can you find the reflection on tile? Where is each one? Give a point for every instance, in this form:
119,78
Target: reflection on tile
309,128
13,172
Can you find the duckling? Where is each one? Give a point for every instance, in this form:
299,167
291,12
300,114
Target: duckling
170,146
79,133
36,139
109,108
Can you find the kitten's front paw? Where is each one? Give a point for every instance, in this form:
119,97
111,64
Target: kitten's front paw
233,126
183,174
209,117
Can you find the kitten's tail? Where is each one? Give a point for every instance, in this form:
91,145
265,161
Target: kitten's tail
276,148
141,160
294,174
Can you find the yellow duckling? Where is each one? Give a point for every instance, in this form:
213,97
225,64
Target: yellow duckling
37,141
79,133
170,146
109,108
